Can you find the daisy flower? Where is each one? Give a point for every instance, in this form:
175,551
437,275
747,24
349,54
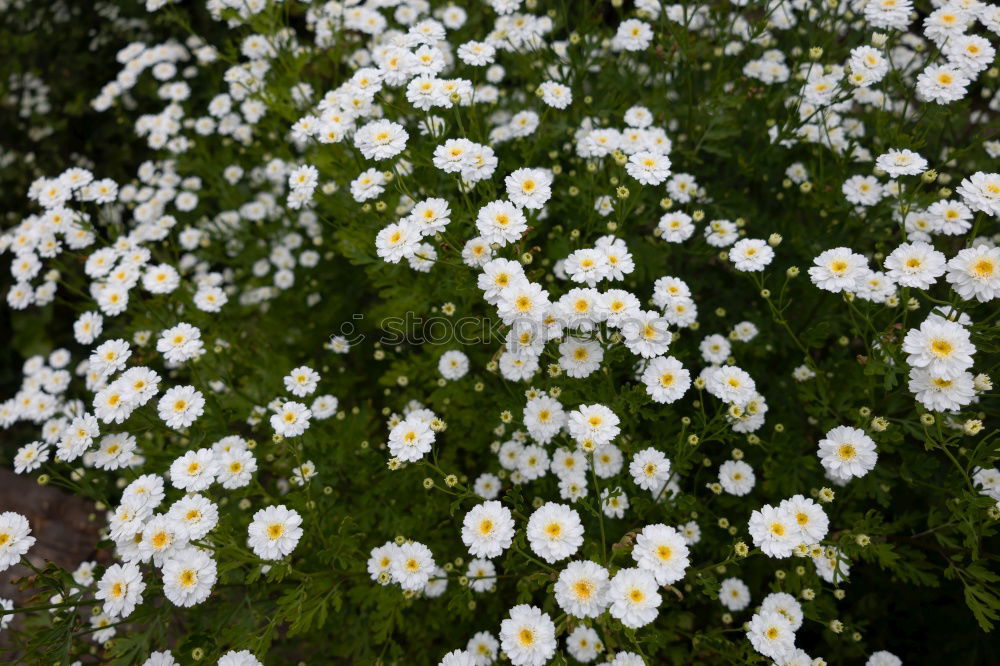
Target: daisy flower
554,532
15,538
528,636
274,532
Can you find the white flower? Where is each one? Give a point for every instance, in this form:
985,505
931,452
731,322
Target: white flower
580,357
236,468
771,634
146,492
160,538
675,227
595,423
650,469
381,139
915,264
581,589
412,565
941,83
833,569
501,222
430,216
188,577
773,531
736,477
240,658
194,516
397,241
528,636
626,658
901,163
15,538
457,658
786,604
181,406
529,188
847,452
194,471
837,270
180,343
110,357
380,562
731,385
411,439
975,273
303,178
614,502
301,381
543,417
939,394
555,94
981,191
77,438
488,529
274,532
583,644
646,333
632,35
554,532
809,519
121,589
634,597
30,457
666,379
648,168
883,658
291,420
453,364
210,299
324,406
751,254
941,347
734,594
662,551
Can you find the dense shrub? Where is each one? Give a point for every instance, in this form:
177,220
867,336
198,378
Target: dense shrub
547,332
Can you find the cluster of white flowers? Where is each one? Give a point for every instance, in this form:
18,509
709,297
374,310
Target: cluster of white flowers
433,141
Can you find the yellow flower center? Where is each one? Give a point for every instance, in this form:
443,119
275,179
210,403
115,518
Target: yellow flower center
941,348
983,268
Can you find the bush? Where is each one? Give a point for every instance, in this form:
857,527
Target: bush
409,332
